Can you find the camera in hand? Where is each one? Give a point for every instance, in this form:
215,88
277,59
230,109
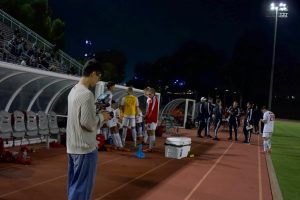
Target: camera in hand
102,103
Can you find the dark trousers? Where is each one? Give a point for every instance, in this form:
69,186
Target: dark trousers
202,125
232,124
247,134
81,175
208,123
217,123
256,127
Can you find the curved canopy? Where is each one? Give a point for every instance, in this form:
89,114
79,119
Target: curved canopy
29,89
180,109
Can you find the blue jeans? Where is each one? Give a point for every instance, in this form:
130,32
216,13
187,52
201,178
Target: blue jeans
81,175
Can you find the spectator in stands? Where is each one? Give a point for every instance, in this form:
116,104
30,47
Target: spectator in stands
82,126
1,35
23,62
16,50
1,39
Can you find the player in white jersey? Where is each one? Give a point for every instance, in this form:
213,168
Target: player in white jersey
114,127
268,120
110,89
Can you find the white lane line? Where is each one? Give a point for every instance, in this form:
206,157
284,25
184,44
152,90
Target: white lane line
207,173
140,176
259,172
50,180
127,183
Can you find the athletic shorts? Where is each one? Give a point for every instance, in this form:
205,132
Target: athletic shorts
128,122
267,135
151,126
111,123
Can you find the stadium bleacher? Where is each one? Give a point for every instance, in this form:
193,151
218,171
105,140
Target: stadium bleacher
20,45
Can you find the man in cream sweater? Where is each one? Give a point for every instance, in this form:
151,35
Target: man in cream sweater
82,125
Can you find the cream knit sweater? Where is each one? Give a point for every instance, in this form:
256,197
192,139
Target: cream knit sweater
82,121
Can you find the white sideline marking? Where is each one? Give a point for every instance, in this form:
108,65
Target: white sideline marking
50,180
207,173
127,183
259,172
140,176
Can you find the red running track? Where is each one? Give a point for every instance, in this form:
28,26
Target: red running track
220,170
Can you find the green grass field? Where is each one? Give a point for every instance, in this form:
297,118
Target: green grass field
286,158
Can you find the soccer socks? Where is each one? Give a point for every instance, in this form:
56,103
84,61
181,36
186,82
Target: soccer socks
145,137
269,143
266,145
152,141
140,131
118,138
124,134
105,133
133,132
115,141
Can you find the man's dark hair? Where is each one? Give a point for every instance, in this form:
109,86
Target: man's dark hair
264,108
110,84
90,66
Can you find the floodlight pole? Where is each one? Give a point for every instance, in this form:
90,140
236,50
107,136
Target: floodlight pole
273,62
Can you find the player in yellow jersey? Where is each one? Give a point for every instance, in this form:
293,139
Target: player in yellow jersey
129,107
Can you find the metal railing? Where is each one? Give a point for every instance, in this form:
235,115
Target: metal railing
31,36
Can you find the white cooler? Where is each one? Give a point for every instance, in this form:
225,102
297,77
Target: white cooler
177,147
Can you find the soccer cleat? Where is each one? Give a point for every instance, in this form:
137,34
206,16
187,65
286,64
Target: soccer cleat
270,150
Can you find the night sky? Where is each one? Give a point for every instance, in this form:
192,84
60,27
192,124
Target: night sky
148,29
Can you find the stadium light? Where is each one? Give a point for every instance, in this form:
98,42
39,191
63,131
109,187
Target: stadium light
280,12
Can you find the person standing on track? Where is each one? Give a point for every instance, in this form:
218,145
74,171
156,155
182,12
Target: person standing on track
248,123
209,121
268,120
82,124
234,113
202,117
110,89
145,134
151,117
217,117
129,106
